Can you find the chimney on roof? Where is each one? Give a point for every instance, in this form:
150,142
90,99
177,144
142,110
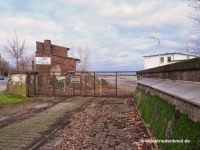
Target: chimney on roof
47,46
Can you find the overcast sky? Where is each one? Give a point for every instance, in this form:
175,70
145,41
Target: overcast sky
117,32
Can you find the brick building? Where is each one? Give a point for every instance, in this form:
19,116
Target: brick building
60,62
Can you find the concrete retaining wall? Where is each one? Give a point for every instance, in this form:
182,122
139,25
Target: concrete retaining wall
178,84
165,121
186,102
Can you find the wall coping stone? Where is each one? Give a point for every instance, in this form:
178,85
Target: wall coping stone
24,72
185,90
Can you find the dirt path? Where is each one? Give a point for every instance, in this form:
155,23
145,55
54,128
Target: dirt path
13,113
106,123
26,133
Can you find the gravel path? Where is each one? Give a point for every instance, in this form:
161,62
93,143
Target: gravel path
105,123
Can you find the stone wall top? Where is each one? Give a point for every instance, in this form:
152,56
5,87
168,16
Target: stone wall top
25,72
184,90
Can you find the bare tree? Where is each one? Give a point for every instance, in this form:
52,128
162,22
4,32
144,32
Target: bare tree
25,63
83,55
15,49
193,44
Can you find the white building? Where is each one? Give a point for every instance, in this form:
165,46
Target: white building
152,61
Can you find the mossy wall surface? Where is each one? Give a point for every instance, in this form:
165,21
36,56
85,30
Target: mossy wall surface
16,88
165,122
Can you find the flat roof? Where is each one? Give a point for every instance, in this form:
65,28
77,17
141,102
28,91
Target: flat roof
169,54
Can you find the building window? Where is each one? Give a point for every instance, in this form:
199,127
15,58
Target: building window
169,59
161,59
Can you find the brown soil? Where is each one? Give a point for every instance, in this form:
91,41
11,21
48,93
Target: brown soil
11,113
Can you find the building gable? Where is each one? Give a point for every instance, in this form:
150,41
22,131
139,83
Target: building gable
60,61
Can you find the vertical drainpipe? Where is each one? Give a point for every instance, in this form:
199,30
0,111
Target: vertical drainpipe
27,85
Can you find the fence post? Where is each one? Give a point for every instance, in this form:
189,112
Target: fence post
34,82
85,85
100,86
116,83
94,84
54,83
80,85
73,89
65,80
27,85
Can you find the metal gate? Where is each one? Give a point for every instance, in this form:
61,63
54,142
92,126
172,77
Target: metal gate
104,83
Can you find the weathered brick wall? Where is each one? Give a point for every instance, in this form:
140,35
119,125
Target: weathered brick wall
188,70
60,51
59,56
47,46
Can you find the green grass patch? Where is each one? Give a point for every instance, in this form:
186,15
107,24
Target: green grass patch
165,122
11,98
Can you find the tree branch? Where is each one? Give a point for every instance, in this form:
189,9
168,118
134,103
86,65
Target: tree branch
15,49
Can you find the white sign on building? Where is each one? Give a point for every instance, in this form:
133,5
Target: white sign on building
43,60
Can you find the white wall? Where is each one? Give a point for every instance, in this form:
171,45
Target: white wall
182,57
19,77
151,62
154,61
